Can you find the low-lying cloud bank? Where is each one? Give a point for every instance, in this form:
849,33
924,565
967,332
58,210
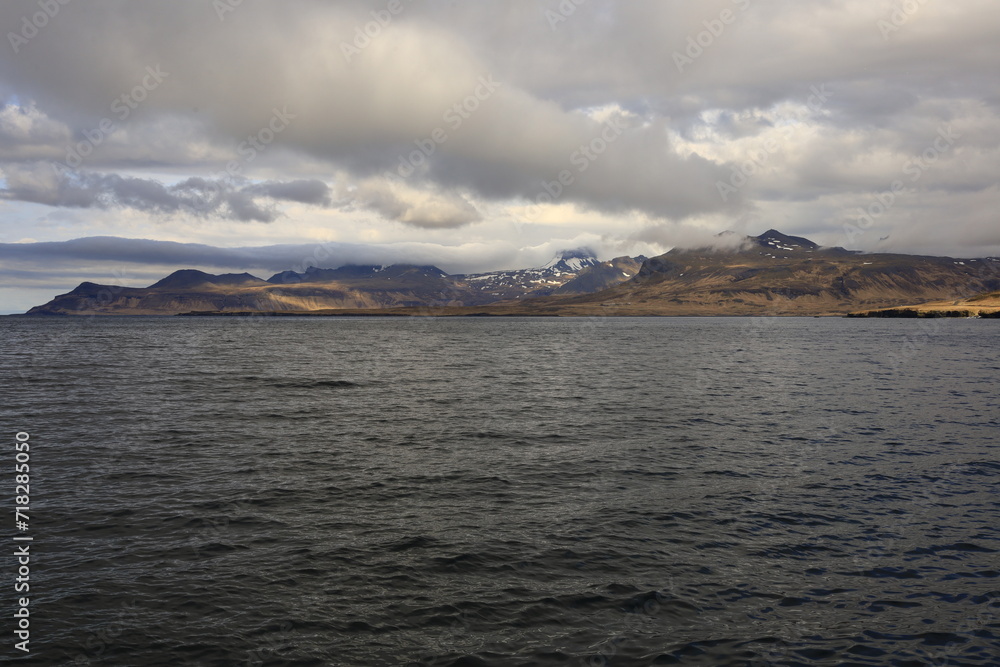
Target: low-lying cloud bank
43,270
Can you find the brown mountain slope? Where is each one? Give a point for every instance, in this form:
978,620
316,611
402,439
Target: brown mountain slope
602,276
772,274
776,274
981,305
780,279
767,276
346,287
187,290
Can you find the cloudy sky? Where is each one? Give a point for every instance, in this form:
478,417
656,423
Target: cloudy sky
262,135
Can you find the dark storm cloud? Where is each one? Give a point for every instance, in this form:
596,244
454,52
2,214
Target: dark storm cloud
302,191
42,184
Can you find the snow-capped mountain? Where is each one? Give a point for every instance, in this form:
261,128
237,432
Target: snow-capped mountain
773,273
571,261
772,239
519,283
346,287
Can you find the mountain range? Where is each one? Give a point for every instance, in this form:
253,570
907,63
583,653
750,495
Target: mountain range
773,273
777,274
345,287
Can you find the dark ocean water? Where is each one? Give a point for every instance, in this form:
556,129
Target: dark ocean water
289,491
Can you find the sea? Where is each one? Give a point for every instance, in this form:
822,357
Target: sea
504,491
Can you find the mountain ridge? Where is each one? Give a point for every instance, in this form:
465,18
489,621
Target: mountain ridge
773,273
362,286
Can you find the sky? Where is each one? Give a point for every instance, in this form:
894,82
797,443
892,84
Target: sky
139,137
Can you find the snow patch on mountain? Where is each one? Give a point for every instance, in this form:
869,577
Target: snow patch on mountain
571,261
